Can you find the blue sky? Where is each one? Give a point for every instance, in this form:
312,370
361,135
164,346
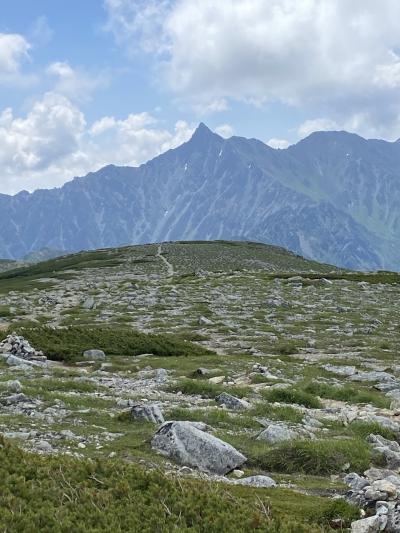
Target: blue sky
90,82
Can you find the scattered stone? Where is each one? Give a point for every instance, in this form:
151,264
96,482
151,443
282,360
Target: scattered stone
204,321
13,385
18,346
231,402
276,433
44,446
216,380
389,449
89,303
189,446
265,482
14,398
161,375
372,524
150,413
341,370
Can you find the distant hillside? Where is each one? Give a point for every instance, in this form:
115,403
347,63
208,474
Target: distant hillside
175,258
333,197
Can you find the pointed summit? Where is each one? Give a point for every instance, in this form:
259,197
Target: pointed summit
203,132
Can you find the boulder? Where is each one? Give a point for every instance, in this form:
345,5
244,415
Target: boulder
150,413
216,380
13,385
389,449
94,355
89,303
265,482
187,445
372,524
204,321
276,433
231,402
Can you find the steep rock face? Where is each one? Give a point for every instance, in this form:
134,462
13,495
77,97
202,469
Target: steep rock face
333,197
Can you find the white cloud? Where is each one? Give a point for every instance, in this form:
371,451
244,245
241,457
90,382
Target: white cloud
278,143
14,52
50,131
317,124
75,83
53,143
225,130
337,57
14,49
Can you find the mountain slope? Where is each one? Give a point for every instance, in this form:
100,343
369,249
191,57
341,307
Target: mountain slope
332,197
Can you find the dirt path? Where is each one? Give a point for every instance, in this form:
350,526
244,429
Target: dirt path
170,268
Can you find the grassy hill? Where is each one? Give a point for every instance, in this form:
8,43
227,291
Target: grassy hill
310,347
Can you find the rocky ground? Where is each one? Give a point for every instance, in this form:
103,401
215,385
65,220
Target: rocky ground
300,390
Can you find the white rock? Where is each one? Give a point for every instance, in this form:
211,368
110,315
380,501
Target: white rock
187,445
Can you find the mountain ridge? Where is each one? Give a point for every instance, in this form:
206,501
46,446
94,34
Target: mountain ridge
331,197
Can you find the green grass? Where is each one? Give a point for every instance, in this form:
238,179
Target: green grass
206,389
292,395
275,412
217,417
62,494
362,429
347,393
67,344
314,457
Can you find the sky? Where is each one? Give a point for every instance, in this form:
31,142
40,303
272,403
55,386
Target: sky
85,83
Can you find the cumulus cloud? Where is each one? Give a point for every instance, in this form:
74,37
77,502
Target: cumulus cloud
278,143
54,142
75,83
14,51
338,57
225,130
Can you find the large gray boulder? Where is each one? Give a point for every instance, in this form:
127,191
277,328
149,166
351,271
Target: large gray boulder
150,413
188,445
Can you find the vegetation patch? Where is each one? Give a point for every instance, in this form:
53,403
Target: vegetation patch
68,344
316,457
347,393
59,494
206,389
292,395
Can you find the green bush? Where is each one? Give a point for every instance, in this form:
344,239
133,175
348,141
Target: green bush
63,494
316,457
67,344
206,389
275,412
292,395
286,348
362,429
347,393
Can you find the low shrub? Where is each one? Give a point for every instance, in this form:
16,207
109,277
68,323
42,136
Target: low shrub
292,395
206,389
60,494
316,457
67,344
347,393
275,412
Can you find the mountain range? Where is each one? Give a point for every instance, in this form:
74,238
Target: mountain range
332,197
